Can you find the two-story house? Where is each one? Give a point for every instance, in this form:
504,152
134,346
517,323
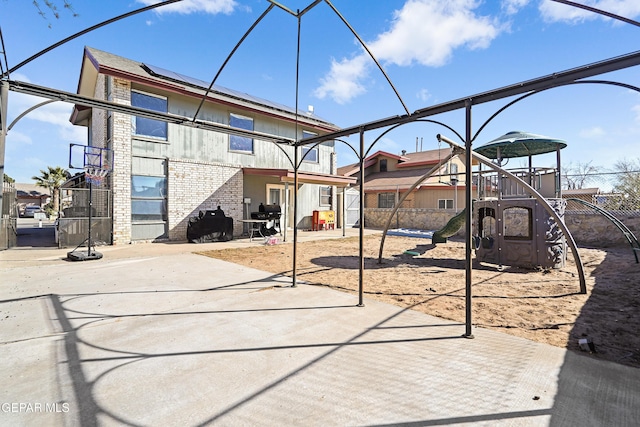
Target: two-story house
164,173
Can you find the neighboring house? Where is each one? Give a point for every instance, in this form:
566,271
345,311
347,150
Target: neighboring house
30,195
387,176
163,174
588,195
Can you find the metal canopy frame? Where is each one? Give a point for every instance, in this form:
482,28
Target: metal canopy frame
575,75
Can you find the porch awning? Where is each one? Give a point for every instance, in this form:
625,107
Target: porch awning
285,175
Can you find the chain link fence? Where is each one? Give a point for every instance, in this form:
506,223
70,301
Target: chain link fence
8,217
73,223
616,192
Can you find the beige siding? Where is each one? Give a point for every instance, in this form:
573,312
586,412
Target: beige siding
428,197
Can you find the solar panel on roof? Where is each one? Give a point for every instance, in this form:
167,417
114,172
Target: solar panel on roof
201,84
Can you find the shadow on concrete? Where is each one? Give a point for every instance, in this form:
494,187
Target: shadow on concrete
610,319
92,413
610,316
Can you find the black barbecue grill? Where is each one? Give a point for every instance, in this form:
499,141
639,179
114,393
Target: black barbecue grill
272,214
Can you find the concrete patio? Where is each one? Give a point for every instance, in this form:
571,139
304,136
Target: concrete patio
153,335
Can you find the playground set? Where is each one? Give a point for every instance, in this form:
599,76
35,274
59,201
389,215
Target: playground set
518,215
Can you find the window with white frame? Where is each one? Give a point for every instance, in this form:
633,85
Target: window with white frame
386,200
240,143
325,196
454,172
143,126
148,198
445,203
309,154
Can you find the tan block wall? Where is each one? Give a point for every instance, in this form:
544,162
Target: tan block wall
422,219
586,229
595,230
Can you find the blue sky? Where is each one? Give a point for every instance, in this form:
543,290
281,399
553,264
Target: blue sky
433,51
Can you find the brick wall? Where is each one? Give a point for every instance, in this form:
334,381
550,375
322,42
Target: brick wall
194,186
121,175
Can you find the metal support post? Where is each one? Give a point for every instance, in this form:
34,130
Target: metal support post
361,236
469,217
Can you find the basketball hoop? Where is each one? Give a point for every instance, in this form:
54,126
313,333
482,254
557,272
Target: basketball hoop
94,175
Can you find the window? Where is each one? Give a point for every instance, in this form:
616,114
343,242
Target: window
109,126
325,196
309,154
386,200
240,143
383,165
517,223
148,198
149,127
445,203
454,173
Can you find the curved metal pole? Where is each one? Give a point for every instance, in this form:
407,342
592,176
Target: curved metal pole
599,11
27,111
605,82
406,123
541,200
224,64
494,115
370,54
420,180
348,145
85,31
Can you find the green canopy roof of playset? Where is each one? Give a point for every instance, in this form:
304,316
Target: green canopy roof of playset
520,144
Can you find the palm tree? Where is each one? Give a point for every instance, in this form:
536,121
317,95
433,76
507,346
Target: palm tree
52,179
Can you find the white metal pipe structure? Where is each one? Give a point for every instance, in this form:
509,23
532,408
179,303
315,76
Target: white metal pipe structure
539,198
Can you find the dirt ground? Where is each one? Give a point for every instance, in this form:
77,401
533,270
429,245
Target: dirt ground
540,305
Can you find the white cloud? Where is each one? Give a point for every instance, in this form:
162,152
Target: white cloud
636,111
186,7
511,7
553,11
18,138
342,81
595,132
427,32
424,32
423,95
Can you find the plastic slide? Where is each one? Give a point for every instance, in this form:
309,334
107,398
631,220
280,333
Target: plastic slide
450,229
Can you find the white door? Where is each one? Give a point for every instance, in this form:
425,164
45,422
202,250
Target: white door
276,196
352,207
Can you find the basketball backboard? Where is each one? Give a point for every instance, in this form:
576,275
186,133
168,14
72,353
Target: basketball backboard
85,156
